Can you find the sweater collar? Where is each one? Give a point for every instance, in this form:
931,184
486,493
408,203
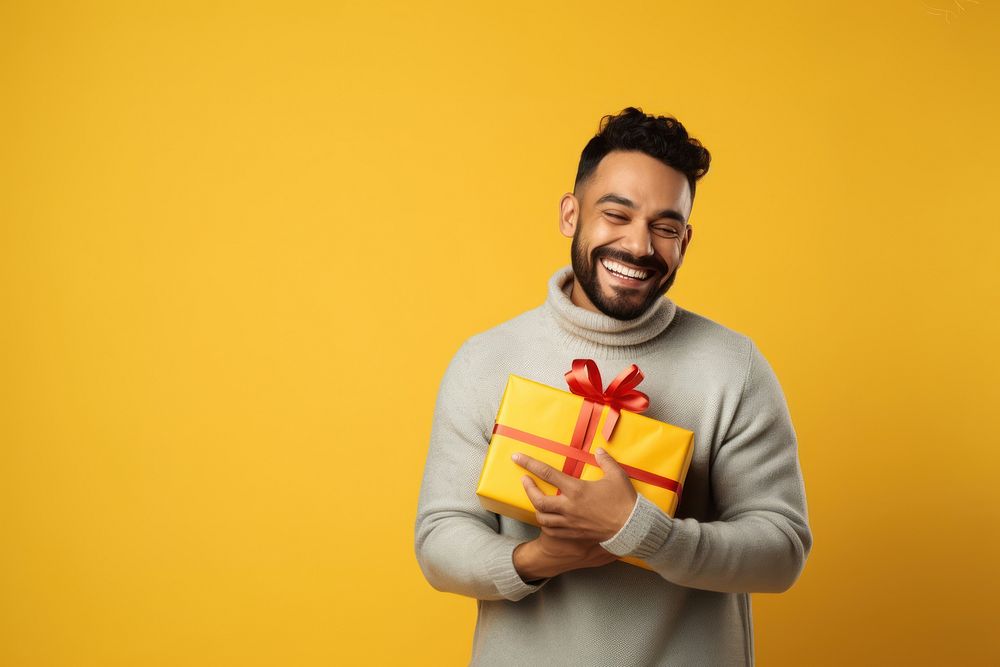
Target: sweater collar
600,335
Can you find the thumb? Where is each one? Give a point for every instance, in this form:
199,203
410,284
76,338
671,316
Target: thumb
608,463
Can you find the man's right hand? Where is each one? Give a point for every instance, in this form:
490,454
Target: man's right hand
547,556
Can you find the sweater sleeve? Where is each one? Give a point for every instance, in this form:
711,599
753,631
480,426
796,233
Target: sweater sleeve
458,544
762,537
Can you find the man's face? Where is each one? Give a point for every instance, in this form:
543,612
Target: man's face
631,217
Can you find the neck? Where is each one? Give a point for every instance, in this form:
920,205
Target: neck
583,329
580,298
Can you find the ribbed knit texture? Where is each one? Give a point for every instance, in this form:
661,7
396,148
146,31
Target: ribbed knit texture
741,525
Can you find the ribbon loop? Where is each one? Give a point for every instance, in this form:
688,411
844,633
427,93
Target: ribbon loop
584,379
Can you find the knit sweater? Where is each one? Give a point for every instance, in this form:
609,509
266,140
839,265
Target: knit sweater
741,525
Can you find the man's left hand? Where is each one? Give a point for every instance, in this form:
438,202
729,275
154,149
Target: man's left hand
587,510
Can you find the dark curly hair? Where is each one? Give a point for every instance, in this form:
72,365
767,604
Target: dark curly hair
661,137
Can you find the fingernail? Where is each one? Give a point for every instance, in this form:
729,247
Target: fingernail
516,457
600,450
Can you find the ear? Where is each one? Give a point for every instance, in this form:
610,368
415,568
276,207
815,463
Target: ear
688,233
569,214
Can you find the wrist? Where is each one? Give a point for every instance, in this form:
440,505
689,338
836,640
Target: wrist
624,516
526,562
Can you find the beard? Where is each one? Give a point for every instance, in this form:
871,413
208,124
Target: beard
624,305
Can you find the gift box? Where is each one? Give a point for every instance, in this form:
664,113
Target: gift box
563,428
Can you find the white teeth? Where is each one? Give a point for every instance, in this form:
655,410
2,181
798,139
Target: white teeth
621,269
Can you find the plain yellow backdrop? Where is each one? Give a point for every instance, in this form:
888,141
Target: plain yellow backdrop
239,244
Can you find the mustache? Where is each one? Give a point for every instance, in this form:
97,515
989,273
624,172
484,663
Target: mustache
624,258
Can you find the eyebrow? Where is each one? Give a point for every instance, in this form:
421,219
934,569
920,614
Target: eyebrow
625,201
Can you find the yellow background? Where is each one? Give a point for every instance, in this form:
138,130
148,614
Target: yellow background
240,243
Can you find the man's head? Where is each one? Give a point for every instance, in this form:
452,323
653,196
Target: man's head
629,211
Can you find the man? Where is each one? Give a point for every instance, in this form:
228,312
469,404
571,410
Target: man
558,595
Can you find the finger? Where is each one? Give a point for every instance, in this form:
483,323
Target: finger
549,520
561,532
544,471
608,464
541,500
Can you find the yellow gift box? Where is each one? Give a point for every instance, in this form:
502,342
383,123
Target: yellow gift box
562,429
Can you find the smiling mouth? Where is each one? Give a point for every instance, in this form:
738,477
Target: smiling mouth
626,274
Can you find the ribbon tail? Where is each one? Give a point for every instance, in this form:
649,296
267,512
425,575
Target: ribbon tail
609,423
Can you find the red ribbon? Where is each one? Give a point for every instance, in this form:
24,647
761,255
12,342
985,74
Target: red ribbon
569,452
584,379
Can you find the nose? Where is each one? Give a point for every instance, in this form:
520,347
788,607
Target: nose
637,239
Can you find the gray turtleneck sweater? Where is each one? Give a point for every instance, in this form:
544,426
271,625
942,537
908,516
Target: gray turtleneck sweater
741,525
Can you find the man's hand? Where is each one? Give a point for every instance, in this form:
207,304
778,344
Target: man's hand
586,510
547,556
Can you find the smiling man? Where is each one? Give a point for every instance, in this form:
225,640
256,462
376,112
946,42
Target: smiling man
558,594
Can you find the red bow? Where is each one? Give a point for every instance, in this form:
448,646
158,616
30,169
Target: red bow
585,380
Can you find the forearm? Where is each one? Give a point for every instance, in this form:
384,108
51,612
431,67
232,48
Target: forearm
463,556
759,552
